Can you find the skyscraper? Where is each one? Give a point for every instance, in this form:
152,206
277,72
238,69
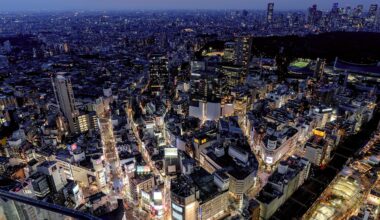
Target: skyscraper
270,13
372,10
158,72
65,99
243,52
335,8
313,15
358,10
372,13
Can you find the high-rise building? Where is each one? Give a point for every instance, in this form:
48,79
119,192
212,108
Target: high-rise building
205,86
372,13
335,8
312,12
358,10
319,68
87,121
158,73
65,98
243,52
233,75
229,53
314,15
270,13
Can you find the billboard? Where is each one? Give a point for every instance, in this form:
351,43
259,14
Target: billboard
171,152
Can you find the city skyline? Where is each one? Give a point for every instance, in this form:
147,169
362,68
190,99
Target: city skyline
281,5
256,112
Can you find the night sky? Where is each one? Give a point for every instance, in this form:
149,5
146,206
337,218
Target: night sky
17,5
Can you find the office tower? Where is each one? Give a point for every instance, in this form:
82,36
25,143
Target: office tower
65,99
204,85
335,8
358,10
312,14
319,68
229,53
87,121
372,10
372,13
243,53
270,13
83,122
158,73
233,75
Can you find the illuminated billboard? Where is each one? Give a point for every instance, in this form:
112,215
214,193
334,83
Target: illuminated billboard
142,169
319,132
157,196
171,152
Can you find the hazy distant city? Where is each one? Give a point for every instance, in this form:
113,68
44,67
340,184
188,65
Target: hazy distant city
189,111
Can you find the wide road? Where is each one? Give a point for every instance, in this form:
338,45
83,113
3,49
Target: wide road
297,205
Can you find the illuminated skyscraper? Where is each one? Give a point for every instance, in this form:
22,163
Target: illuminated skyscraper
158,72
243,50
233,75
319,68
229,54
270,13
65,98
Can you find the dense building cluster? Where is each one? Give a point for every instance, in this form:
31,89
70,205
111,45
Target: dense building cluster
128,116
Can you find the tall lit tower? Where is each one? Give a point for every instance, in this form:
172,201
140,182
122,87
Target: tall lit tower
65,99
110,152
243,52
158,72
270,13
